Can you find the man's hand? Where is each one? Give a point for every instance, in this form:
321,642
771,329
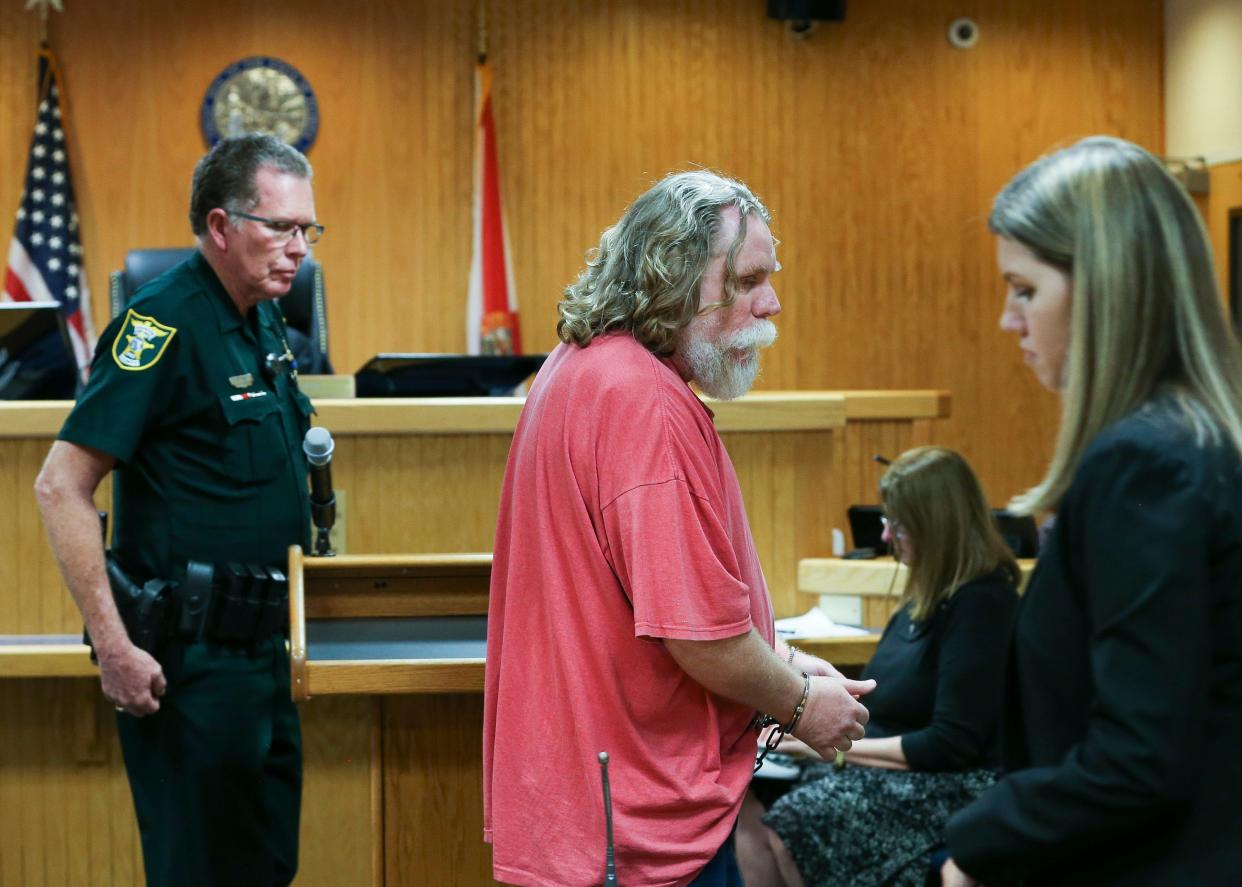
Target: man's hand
132,680
792,745
952,876
813,665
834,717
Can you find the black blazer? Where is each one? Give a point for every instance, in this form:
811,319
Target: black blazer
1123,713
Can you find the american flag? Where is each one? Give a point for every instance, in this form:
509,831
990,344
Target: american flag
45,256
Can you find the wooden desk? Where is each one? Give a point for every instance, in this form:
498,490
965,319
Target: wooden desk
877,583
387,624
45,656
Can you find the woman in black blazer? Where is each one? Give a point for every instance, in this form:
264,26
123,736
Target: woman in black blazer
1123,714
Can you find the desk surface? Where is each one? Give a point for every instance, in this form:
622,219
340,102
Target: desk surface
45,656
881,576
425,638
758,411
431,660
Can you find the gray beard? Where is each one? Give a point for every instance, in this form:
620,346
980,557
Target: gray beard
719,374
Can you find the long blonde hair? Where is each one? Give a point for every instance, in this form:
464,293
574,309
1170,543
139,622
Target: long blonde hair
1146,314
932,494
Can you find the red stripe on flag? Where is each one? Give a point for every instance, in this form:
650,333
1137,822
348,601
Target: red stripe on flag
495,287
14,287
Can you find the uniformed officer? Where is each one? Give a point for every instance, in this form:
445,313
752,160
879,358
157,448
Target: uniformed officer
193,400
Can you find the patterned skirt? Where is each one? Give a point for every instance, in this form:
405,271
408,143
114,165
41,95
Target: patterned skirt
864,826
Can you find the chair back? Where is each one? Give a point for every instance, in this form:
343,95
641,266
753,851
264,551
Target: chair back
304,306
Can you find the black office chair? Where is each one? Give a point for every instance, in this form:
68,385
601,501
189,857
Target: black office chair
304,307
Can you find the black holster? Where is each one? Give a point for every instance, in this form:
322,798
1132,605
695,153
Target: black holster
143,608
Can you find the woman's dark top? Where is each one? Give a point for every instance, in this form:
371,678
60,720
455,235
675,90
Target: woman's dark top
1123,714
938,684
939,681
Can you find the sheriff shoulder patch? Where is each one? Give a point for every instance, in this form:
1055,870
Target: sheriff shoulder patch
141,342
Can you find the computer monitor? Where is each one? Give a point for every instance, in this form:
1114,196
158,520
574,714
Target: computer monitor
444,375
866,527
1018,531
36,362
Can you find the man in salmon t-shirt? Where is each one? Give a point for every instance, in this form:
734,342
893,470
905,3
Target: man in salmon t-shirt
628,610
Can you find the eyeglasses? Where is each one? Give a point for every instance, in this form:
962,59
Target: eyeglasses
284,229
892,526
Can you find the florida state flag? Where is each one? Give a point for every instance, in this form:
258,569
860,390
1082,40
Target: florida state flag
491,309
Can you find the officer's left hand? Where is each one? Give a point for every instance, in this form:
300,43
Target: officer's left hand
132,679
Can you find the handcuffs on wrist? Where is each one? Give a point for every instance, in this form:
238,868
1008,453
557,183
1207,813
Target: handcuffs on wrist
781,731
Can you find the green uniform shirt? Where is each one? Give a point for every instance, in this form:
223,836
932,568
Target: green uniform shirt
207,437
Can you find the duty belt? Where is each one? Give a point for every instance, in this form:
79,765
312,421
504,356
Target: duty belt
231,603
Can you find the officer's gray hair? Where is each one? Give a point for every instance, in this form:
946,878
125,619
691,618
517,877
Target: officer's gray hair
644,276
224,177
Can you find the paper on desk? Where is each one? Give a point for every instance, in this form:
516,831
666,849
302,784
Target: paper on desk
814,624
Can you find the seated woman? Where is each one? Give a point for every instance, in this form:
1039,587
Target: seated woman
934,712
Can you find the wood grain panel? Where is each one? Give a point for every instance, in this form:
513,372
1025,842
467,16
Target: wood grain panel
877,145
32,596
66,816
58,807
437,495
340,739
433,791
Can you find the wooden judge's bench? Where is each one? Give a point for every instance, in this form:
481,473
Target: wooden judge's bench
387,642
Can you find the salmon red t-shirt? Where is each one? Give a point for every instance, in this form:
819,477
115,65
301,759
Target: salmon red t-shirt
621,523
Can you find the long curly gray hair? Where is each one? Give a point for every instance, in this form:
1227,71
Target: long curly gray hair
644,276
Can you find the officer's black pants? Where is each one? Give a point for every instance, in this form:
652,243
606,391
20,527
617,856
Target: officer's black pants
216,773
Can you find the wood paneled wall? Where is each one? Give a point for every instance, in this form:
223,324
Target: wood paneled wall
875,143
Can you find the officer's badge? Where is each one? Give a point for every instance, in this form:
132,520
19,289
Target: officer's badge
141,342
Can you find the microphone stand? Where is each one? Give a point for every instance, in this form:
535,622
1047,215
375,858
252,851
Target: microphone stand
318,447
610,862
323,547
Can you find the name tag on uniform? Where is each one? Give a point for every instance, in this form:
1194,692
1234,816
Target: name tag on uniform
245,380
248,395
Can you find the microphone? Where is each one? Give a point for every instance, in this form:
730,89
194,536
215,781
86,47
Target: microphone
318,446
610,862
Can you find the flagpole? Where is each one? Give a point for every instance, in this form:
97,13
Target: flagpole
482,37
43,6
